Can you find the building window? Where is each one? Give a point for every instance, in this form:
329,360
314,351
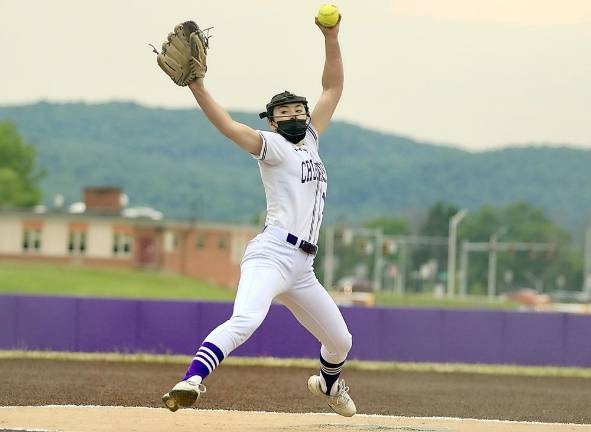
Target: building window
171,241
77,243
222,243
200,241
122,244
31,240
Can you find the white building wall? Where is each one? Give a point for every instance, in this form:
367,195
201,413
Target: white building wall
54,237
99,240
11,235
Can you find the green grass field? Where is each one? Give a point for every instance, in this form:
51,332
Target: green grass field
486,369
26,278
52,279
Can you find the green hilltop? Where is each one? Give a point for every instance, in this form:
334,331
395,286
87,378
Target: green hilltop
175,161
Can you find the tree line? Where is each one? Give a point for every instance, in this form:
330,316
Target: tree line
19,174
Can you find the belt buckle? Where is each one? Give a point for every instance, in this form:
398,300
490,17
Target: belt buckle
308,247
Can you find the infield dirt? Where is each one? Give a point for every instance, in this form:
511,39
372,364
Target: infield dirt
283,390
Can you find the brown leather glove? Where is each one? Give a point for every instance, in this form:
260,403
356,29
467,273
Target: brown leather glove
184,53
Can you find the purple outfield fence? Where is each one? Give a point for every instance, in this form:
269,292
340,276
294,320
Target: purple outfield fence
393,334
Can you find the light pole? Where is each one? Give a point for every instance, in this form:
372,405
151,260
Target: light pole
451,250
464,269
492,262
401,278
492,267
378,260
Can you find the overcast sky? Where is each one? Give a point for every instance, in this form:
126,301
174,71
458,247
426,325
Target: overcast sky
470,73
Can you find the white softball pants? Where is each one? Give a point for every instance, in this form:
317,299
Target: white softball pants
271,269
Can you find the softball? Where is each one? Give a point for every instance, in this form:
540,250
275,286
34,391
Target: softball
328,15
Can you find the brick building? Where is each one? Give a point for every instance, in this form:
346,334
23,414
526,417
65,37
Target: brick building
103,233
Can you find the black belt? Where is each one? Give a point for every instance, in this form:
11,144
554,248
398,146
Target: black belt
309,248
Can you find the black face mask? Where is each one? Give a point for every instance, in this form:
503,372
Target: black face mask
292,130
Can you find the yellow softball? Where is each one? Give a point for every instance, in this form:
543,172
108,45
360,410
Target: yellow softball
328,15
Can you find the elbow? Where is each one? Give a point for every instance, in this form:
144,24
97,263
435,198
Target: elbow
335,91
334,85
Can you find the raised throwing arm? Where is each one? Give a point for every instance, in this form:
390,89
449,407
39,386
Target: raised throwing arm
332,78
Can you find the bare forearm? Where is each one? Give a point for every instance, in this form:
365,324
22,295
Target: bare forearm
243,135
217,115
333,76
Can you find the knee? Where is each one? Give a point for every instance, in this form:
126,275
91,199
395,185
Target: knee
244,325
343,343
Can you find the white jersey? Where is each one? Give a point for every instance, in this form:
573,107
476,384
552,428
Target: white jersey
295,183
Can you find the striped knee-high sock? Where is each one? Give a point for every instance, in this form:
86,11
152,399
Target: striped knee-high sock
205,361
330,372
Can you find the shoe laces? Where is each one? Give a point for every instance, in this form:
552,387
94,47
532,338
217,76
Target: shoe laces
342,397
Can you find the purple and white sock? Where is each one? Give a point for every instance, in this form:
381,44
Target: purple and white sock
205,361
330,372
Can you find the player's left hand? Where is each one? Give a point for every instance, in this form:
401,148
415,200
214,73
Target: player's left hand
329,31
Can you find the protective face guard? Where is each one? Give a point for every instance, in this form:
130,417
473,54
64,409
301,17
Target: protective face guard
283,99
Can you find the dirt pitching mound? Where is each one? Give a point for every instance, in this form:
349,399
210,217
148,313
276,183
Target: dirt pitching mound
132,419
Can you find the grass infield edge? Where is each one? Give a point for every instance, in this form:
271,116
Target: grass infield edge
486,369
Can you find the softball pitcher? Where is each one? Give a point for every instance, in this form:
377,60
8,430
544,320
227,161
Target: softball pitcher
277,263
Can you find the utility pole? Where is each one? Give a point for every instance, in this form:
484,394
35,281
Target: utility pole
378,260
492,261
463,270
401,279
492,267
451,250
